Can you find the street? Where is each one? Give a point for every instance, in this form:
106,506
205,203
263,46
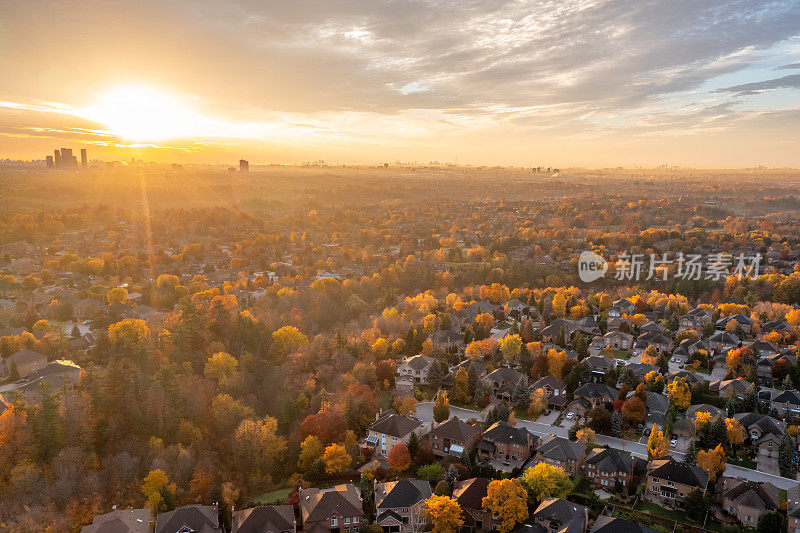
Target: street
425,414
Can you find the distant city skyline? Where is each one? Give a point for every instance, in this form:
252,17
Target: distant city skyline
592,84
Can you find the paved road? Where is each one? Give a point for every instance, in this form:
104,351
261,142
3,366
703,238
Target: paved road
425,414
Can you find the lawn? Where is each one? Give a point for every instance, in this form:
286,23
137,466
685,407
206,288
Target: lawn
277,497
657,510
746,462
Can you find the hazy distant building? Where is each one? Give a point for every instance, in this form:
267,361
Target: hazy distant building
50,162
244,165
67,159
84,161
57,158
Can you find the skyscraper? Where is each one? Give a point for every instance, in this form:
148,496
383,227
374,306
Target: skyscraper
66,157
57,157
84,161
49,161
244,165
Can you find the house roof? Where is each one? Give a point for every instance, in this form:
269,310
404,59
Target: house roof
561,449
505,374
455,430
470,492
504,433
272,518
787,396
419,362
395,425
571,516
403,493
765,423
610,460
550,381
756,496
25,356
678,472
596,390
124,521
200,518
319,504
610,524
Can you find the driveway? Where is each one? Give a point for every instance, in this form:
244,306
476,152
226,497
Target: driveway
769,465
548,419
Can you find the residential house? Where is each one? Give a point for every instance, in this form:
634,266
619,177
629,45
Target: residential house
696,319
786,404
503,381
610,524
555,391
400,505
333,510
452,437
730,388
669,481
618,340
599,365
748,502
469,494
561,452
188,519
390,429
774,325
764,432
447,340
124,521
723,341
263,519
659,341
20,364
596,394
608,468
744,322
506,443
794,520
557,515
416,368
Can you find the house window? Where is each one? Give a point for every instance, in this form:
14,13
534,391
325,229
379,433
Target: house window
334,521
347,520
355,520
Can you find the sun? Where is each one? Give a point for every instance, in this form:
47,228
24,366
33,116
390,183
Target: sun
142,114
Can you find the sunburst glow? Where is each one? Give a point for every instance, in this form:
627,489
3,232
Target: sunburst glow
142,113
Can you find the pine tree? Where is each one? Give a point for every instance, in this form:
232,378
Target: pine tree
413,445
451,476
691,454
473,380
785,455
441,408
616,423
436,373
521,395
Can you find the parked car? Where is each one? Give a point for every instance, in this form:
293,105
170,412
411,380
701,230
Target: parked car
570,415
673,443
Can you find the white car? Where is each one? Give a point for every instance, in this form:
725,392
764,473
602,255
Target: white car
673,443
570,416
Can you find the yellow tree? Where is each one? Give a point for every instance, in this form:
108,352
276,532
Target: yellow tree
405,405
712,461
461,388
511,345
288,337
444,514
657,445
649,356
117,295
586,436
537,403
507,500
336,459
701,418
154,485
559,305
221,367
310,450
679,394
544,480
128,332
734,431
555,362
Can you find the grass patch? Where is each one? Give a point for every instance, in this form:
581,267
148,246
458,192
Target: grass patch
657,510
621,354
277,497
522,414
743,462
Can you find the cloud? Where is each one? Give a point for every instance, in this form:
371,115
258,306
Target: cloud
791,81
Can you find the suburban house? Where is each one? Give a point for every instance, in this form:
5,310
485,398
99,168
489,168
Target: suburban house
20,364
659,341
618,340
557,515
332,510
669,481
469,494
447,340
596,393
390,429
744,322
400,505
749,502
415,368
504,379
126,521
730,388
723,341
272,518
774,325
599,365
606,467
561,452
452,437
696,319
189,518
555,391
610,524
786,404
507,443
794,520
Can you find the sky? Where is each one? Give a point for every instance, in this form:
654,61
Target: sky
561,83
